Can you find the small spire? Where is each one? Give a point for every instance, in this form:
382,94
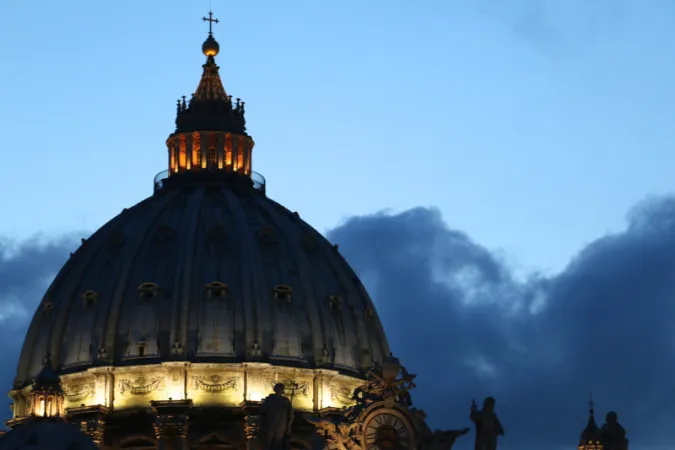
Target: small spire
591,405
590,437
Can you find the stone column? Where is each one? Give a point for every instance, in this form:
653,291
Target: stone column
171,423
171,432
95,429
251,430
220,150
235,153
91,420
203,149
181,431
161,431
188,151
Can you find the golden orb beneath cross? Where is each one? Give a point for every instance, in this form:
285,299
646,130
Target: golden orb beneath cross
210,47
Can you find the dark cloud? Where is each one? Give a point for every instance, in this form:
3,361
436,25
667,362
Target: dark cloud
456,315
26,269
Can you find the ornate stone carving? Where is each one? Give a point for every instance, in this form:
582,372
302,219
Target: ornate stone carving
339,436
386,393
341,394
292,386
214,383
141,385
79,392
255,350
103,355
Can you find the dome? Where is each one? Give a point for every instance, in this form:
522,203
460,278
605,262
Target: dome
46,435
205,272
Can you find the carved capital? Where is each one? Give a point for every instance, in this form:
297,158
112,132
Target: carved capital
171,426
94,428
251,426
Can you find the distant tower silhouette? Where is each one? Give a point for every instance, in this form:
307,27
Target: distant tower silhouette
590,437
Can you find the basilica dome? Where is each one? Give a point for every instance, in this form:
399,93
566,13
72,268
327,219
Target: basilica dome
206,269
186,310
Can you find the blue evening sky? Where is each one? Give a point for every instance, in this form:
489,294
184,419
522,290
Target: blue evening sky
533,125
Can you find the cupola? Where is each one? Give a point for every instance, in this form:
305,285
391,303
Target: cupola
210,133
47,394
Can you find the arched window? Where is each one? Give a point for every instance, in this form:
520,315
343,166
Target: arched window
48,309
283,293
148,291
49,407
216,289
335,301
41,406
89,298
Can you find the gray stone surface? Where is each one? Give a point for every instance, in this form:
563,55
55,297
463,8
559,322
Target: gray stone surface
181,240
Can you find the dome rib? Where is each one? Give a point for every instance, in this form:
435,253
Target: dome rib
287,269
181,240
182,303
136,239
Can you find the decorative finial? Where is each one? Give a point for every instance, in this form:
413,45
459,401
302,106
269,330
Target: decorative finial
210,47
591,404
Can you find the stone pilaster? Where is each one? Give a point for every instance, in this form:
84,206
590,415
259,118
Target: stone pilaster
171,431
251,424
91,420
95,429
171,423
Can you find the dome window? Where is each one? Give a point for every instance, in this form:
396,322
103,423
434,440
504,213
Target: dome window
148,291
370,313
283,293
141,346
216,289
48,309
89,298
335,301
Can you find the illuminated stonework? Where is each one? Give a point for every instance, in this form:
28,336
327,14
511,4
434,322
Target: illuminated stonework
119,388
172,323
210,150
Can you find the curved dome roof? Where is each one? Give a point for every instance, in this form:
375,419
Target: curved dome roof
46,435
205,272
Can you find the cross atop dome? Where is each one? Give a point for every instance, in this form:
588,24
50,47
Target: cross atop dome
210,47
211,21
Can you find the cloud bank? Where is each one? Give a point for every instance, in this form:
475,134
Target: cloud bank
456,315
26,269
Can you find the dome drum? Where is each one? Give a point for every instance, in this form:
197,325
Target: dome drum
218,177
